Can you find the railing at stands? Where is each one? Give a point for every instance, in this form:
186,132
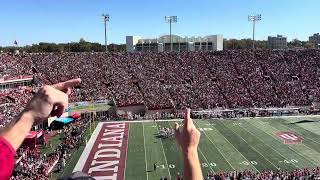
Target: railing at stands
21,78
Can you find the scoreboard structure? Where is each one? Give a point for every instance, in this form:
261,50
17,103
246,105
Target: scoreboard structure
161,44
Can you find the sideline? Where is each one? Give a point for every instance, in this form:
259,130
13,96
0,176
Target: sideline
145,152
125,164
165,156
164,120
84,156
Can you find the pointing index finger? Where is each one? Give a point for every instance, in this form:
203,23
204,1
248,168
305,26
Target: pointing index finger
63,86
187,119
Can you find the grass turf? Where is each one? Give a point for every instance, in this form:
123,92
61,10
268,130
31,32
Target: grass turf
75,155
225,145
55,141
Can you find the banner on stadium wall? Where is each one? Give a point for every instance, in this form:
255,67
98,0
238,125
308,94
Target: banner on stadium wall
102,102
89,106
83,103
86,103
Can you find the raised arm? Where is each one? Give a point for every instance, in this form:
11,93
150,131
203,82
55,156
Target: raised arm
188,138
48,101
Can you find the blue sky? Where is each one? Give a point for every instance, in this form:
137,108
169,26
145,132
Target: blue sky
33,21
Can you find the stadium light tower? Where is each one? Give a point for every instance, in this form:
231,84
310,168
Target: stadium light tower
105,18
170,20
254,18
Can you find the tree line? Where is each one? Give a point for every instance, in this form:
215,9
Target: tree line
233,44
85,46
81,46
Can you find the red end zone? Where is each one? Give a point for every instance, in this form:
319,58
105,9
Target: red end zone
107,158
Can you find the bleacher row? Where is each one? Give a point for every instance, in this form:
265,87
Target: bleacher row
231,79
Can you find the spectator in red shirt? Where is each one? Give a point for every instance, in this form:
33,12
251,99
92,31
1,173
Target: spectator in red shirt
48,101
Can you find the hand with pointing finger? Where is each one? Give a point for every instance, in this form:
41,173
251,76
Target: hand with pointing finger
50,100
188,137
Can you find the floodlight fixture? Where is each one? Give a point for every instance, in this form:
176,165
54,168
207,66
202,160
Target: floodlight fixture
254,18
105,18
170,20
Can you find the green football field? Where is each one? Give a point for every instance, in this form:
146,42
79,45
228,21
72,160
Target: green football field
226,145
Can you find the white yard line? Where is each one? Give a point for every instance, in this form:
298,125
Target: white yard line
145,152
301,143
304,157
268,145
205,159
316,161
305,137
84,156
308,138
236,149
200,152
272,117
164,154
216,147
252,147
125,165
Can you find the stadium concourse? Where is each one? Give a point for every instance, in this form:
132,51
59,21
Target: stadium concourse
173,81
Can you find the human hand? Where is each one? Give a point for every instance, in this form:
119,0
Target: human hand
187,136
50,101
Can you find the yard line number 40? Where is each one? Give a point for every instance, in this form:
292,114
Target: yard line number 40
246,163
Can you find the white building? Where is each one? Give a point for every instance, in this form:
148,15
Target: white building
207,43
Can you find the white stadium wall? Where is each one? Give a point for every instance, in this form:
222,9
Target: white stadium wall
206,43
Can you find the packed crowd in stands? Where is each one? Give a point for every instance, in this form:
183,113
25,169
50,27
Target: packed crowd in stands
230,79
199,80
12,102
298,174
32,164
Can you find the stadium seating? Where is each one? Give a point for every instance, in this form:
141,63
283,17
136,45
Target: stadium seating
33,164
306,173
230,79
207,80
200,80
